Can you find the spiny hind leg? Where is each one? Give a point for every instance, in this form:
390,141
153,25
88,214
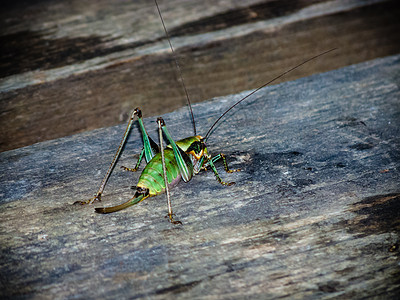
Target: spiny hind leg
161,125
150,148
97,197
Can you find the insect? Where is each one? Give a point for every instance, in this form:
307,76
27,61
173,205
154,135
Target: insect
179,160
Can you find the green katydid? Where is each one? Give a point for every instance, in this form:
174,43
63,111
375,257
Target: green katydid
179,160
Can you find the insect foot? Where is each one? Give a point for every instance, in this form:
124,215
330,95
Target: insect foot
227,183
129,169
171,219
90,201
223,182
227,170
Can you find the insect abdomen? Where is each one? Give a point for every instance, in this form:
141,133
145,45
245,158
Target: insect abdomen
152,176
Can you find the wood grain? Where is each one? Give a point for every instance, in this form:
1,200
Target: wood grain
314,212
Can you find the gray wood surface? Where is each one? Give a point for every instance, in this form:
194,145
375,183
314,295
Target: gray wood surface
315,212
64,65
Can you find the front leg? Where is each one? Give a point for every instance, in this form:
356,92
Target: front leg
225,163
211,164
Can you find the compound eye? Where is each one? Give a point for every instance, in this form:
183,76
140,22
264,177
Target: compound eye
196,147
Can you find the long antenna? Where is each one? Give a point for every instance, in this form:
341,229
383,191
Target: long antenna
265,84
177,66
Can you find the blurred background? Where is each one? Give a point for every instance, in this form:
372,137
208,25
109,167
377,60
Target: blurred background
72,66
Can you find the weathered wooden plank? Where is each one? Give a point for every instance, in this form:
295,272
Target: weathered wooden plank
65,66
314,214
